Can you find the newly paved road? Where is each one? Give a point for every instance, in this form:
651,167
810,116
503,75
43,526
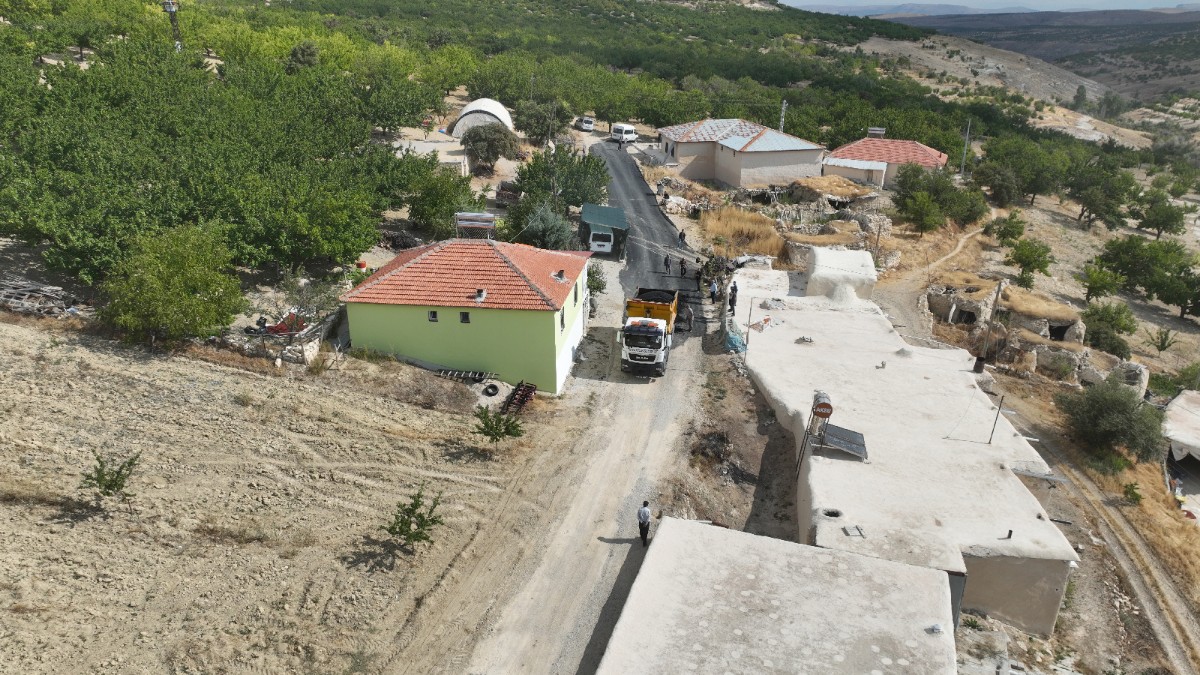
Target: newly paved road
651,234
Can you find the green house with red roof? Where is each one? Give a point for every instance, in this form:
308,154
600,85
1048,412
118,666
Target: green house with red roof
477,305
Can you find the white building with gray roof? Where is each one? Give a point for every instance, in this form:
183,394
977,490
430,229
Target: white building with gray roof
738,153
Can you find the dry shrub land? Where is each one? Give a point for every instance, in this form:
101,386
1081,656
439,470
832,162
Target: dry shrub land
734,231
252,539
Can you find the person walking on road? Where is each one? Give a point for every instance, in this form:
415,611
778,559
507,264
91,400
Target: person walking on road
682,238
699,278
643,516
682,267
712,291
667,263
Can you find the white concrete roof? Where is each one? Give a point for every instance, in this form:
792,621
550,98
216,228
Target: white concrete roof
862,164
830,270
934,487
1181,424
712,600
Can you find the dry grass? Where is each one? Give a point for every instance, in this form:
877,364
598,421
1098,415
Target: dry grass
1036,305
18,491
224,357
1174,538
249,532
839,239
838,186
1031,337
963,280
735,232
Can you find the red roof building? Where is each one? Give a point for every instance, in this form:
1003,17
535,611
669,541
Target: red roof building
876,160
477,305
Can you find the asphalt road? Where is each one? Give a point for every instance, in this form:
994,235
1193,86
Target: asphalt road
651,234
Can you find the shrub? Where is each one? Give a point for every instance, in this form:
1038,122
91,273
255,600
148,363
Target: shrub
595,280
1030,255
108,477
1104,338
496,426
1109,416
1133,494
1116,316
413,522
1161,339
1006,230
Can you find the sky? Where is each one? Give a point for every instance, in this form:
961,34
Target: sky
1042,5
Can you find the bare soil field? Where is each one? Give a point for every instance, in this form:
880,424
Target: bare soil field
253,539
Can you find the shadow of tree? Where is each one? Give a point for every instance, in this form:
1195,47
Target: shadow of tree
376,554
72,511
457,451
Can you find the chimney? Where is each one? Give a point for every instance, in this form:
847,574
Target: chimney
480,294
561,275
876,132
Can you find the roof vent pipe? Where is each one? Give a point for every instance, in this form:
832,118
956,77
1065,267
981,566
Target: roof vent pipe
480,294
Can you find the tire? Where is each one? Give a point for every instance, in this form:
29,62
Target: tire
491,390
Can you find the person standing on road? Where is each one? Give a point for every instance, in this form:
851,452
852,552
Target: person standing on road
667,263
643,516
682,267
712,291
699,278
682,237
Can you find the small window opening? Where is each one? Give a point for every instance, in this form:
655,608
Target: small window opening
963,316
562,320
464,317
577,295
433,316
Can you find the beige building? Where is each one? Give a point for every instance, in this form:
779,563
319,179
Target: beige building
711,600
738,153
906,467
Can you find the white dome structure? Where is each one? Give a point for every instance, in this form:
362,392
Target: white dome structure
479,112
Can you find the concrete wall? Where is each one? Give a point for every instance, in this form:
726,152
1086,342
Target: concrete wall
1025,592
859,175
695,159
759,169
566,341
514,344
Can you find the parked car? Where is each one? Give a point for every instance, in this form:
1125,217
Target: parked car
585,124
623,132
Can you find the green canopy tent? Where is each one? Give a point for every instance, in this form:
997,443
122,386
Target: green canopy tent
603,229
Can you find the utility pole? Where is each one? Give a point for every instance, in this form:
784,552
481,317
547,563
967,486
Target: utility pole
997,420
966,144
171,7
782,112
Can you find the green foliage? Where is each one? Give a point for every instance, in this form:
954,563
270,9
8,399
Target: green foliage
565,177
1167,384
546,228
496,426
1104,338
1102,190
487,143
1036,165
1109,416
595,280
1030,255
438,196
922,212
1002,180
1116,315
542,122
309,297
304,55
413,522
108,476
1161,339
1132,493
173,285
1098,281
1007,229
1155,212
972,623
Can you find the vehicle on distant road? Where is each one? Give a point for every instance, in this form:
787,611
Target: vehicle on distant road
585,123
623,133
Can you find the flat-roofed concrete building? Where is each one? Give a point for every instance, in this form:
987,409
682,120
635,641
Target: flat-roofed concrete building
712,600
936,488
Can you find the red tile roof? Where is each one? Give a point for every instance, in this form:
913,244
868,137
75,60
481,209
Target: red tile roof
447,274
892,151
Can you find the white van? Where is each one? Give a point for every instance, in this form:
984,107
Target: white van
623,132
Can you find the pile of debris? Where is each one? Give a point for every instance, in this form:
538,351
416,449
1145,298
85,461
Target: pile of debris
399,240
23,296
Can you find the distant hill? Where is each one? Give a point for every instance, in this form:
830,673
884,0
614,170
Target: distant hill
905,10
1139,53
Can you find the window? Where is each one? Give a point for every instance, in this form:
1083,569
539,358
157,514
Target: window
576,294
433,317
562,320
464,317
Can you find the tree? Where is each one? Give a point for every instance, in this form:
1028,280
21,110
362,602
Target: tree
1006,229
1098,281
1109,416
496,426
108,476
1102,192
541,122
310,298
1002,181
964,206
487,143
304,55
1030,255
1181,288
546,228
568,178
173,285
1081,99
1156,212
922,212
1117,316
413,522
437,198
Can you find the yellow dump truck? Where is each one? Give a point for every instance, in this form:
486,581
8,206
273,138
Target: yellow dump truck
646,336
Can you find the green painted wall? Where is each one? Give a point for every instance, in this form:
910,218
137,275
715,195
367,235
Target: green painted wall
514,344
